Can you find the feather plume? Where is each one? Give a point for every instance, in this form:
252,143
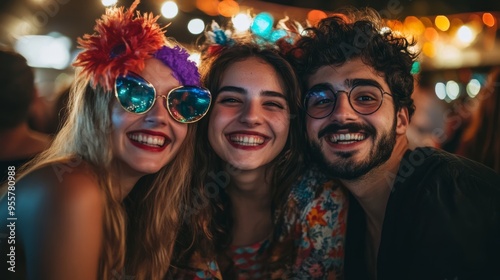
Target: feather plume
121,43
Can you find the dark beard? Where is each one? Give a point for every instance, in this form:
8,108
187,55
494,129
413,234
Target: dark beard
348,169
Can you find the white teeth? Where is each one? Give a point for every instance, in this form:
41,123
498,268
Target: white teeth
347,138
149,140
247,140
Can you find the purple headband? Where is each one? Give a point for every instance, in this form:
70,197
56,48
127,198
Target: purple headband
185,70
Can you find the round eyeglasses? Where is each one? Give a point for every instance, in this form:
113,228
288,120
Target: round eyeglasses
186,104
364,99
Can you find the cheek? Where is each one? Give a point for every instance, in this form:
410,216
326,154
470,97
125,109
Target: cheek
219,118
180,131
281,126
312,127
119,119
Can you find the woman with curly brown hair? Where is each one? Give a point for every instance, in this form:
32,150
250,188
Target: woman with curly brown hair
249,158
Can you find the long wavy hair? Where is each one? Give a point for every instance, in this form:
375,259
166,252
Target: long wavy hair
139,233
480,139
354,33
209,216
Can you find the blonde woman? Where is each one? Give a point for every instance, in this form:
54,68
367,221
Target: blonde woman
102,202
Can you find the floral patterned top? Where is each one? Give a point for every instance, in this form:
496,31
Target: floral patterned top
246,260
315,219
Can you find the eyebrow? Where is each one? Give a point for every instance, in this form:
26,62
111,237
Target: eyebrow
241,90
350,83
362,82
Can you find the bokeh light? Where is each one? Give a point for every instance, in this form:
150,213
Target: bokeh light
431,34
196,26
442,23
440,90
413,26
209,7
241,22
488,19
452,89
428,49
45,51
196,57
262,24
108,3
473,87
228,8
395,25
169,9
314,16
465,35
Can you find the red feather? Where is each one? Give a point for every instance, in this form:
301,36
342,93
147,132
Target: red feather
120,44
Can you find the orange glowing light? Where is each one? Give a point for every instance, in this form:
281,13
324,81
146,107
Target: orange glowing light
228,8
429,50
395,25
209,7
314,16
413,26
442,23
431,34
488,19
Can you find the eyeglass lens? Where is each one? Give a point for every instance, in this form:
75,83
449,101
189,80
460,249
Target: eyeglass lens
185,104
364,99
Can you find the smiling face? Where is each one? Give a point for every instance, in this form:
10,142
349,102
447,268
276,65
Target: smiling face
249,122
347,143
142,144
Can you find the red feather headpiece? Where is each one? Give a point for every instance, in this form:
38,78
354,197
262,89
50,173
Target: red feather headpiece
121,44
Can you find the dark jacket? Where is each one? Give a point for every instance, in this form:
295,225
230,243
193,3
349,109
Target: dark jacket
442,222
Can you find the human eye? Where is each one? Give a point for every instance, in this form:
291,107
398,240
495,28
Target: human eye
366,95
278,104
228,99
320,98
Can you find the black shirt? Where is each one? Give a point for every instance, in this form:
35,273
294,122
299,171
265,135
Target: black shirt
442,221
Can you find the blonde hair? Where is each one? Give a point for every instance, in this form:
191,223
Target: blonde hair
154,217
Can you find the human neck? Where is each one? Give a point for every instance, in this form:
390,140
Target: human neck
250,196
126,178
250,185
372,191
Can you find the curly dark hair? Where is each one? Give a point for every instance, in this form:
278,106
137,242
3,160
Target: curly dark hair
361,34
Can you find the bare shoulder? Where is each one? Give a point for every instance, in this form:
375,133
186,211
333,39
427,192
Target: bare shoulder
59,210
59,191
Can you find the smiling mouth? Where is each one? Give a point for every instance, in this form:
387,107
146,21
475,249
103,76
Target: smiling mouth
246,140
148,140
345,138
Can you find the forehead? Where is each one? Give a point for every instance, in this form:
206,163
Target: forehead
252,71
159,74
339,76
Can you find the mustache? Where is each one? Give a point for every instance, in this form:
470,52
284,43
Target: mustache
351,127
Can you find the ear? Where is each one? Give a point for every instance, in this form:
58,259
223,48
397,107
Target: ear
402,121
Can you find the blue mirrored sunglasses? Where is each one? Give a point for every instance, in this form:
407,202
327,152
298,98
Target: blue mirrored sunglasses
186,104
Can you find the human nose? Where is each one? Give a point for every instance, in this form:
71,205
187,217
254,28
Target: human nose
251,114
158,113
343,110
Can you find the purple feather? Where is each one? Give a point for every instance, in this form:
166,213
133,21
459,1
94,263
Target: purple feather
185,71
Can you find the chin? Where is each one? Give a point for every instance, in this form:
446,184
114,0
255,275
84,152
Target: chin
147,169
243,166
